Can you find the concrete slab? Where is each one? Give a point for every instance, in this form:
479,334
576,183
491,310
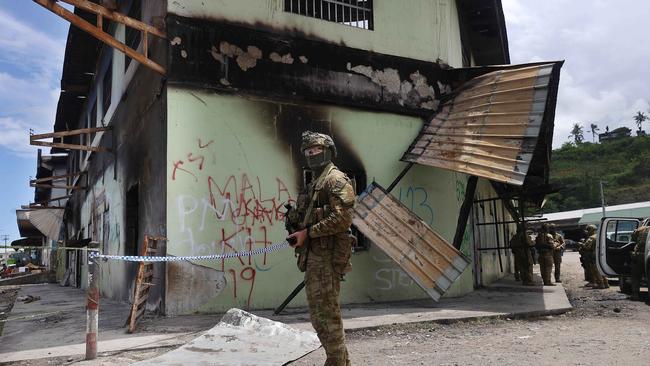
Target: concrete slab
130,343
242,338
57,318
55,325
504,298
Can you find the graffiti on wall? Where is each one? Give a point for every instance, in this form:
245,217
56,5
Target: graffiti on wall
236,212
417,200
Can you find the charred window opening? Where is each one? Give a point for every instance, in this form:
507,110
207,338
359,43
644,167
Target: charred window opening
132,224
355,13
133,36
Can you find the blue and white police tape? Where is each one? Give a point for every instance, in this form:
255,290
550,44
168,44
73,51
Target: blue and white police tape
137,258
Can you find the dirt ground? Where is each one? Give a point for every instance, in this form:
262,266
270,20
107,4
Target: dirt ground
605,328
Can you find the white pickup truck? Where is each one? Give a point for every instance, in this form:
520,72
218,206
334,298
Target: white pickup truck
614,247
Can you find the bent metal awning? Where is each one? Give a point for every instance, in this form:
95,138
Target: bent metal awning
41,221
424,255
490,127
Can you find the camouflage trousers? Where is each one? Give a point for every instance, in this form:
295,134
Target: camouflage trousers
323,286
523,264
546,266
599,281
557,262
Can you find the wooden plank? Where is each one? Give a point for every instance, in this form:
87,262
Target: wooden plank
118,17
56,186
423,254
79,131
96,32
70,146
56,177
142,282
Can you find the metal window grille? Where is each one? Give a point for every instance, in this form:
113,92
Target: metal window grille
355,13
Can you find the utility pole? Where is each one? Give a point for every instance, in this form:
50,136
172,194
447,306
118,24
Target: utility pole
5,238
602,197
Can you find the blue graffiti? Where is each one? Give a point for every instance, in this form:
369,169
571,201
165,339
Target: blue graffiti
417,198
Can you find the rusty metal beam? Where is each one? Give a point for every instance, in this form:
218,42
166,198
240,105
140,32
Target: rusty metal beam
38,185
70,146
96,30
56,177
68,133
33,139
44,203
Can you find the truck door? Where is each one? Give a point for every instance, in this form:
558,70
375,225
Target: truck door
614,245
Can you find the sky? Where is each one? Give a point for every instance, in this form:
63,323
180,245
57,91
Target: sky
605,79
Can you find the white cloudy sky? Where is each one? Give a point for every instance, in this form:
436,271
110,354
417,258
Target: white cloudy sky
605,79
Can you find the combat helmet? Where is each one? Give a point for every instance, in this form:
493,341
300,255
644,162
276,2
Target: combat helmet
591,229
310,139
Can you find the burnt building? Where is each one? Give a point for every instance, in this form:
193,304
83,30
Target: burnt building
184,120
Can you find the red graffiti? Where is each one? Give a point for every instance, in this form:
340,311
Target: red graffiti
202,146
247,204
191,158
246,274
244,210
177,166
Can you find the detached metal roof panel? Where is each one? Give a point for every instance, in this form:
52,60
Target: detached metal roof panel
490,128
424,255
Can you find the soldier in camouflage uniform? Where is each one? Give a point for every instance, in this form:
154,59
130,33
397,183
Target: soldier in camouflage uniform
520,244
545,244
326,245
558,251
639,236
589,249
583,263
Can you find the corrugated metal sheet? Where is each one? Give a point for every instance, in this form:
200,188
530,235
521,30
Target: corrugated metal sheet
424,255
491,127
47,221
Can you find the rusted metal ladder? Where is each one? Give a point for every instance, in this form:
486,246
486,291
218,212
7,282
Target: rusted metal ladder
143,281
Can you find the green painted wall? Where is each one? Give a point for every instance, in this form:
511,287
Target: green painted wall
419,29
228,172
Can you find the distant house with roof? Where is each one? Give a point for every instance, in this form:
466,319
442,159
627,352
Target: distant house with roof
615,134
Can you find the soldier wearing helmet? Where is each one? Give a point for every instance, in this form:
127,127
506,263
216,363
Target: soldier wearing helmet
545,244
598,281
558,251
520,244
323,242
639,237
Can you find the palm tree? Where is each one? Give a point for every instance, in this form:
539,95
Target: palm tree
577,134
594,128
640,118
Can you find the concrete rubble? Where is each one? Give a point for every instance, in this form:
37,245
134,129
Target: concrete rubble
242,338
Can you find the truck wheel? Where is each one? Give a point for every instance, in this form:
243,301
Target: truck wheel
624,285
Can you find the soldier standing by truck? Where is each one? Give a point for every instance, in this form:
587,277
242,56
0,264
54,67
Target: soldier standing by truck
599,281
639,236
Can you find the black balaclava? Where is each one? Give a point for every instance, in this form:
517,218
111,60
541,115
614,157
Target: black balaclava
320,160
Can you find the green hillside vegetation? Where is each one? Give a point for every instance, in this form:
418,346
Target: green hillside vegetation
624,165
